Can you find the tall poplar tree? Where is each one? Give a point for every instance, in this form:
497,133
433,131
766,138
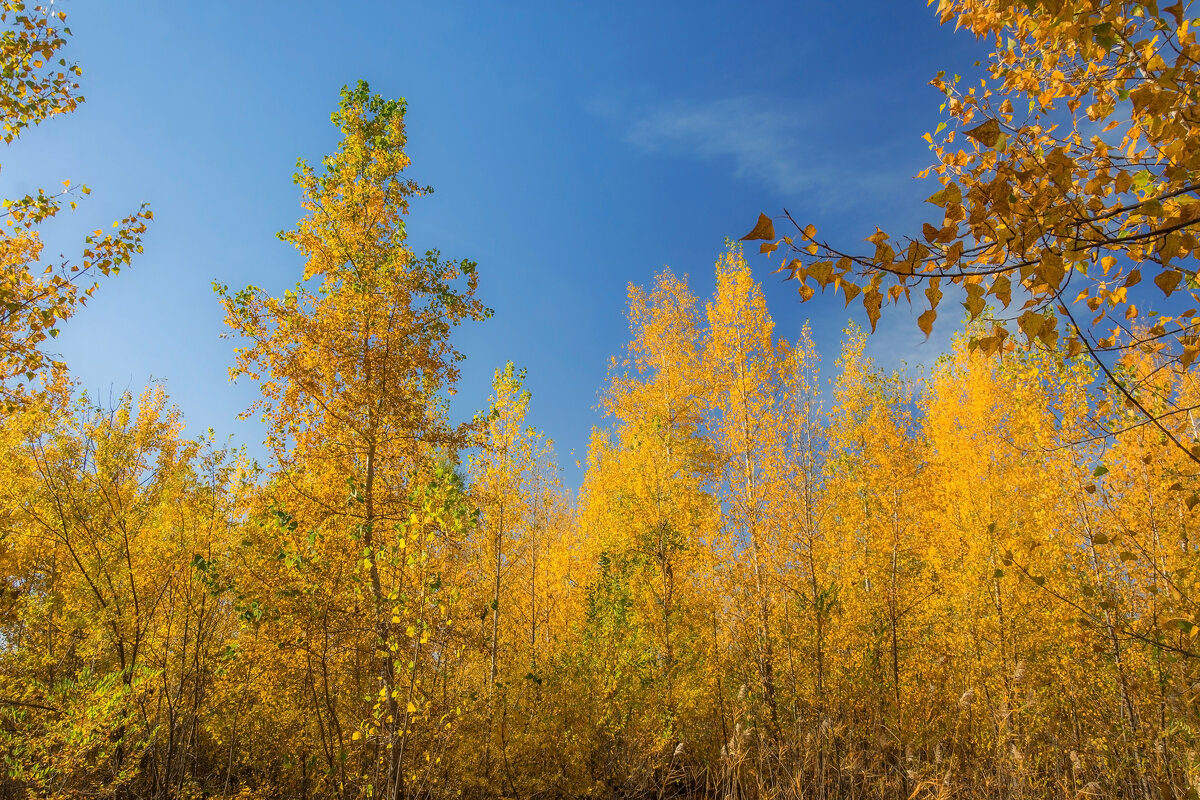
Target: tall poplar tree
748,370
353,365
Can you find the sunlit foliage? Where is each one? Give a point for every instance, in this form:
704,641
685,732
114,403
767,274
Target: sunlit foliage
981,580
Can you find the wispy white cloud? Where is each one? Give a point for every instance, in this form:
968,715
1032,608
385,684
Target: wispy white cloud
762,141
775,145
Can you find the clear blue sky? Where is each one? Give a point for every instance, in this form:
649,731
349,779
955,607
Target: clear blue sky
574,148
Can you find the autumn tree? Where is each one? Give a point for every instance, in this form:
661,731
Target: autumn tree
515,487
808,561
656,400
353,366
876,497
1129,580
647,516
112,641
1064,175
748,369
37,295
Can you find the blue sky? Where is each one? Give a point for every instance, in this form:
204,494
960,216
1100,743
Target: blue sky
574,148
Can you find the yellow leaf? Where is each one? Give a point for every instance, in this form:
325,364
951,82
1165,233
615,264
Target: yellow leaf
933,294
925,322
764,229
1031,323
986,134
1002,289
851,291
1051,269
822,272
872,302
974,302
1167,281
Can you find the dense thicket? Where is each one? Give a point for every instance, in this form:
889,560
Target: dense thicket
774,582
766,588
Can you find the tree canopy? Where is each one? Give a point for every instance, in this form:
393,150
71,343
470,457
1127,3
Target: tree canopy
1066,176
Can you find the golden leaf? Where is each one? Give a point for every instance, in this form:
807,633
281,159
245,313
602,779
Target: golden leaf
1002,289
986,134
872,302
764,229
925,322
1167,281
974,302
851,290
1031,323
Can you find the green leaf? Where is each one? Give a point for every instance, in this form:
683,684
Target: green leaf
1103,35
1185,625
